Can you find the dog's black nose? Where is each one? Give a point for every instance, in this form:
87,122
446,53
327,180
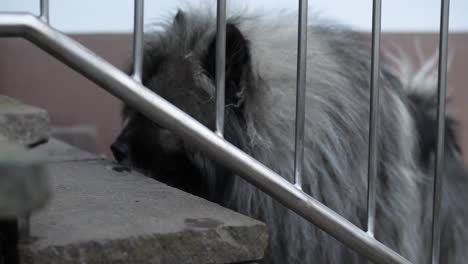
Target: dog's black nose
120,151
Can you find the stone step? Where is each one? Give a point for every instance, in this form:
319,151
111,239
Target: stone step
23,178
100,215
83,137
23,124
24,184
24,187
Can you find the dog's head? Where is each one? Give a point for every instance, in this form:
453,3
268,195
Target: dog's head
179,65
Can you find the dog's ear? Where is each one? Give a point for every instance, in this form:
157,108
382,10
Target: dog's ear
179,18
238,63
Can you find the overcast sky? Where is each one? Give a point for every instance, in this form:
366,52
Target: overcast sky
116,15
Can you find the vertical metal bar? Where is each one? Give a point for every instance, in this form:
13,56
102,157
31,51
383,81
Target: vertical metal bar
440,151
374,114
44,11
301,92
220,65
138,24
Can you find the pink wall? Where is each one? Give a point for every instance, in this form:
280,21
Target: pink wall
30,75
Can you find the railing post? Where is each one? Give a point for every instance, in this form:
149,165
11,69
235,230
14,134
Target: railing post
220,65
300,92
138,24
44,9
440,151
374,115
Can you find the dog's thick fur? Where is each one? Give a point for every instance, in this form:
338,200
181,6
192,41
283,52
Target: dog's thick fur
179,65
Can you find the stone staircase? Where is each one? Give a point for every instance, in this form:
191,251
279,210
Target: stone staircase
96,214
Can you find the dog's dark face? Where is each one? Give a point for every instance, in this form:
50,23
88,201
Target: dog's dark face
154,149
185,79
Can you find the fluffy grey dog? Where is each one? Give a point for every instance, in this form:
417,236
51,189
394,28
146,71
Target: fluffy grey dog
179,65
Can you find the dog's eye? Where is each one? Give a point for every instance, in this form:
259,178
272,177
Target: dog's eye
126,121
156,125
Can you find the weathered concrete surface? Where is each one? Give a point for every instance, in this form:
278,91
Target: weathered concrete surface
98,215
22,123
82,137
58,151
24,185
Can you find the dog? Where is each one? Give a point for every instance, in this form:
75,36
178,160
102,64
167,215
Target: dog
261,57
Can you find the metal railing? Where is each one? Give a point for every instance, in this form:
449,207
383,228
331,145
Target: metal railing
440,150
132,92
373,115
220,65
138,25
301,92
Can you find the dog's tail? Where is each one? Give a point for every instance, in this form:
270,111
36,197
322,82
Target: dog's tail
420,84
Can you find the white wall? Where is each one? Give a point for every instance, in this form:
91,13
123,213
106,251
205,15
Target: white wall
116,15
